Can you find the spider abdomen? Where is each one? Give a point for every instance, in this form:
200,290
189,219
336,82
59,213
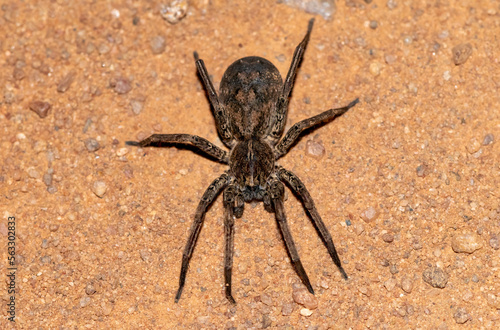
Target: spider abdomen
249,91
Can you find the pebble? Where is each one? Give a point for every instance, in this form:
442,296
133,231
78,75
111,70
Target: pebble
266,299
174,11
91,144
158,45
18,74
66,82
287,309
281,58
303,297
137,106
406,284
421,171
390,284
32,173
103,48
375,68
488,139
466,243
121,85
461,316
369,214
121,152
306,312
388,238
493,300
391,4
47,179
90,289
473,145
436,277
461,53
390,59
315,148
99,188
40,107
447,75
494,242
373,25
85,301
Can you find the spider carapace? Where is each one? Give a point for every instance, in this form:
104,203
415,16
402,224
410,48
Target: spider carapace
250,114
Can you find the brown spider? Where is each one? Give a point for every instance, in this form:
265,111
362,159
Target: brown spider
250,115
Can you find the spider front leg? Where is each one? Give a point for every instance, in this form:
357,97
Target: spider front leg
294,132
208,197
276,194
219,111
203,144
279,118
300,189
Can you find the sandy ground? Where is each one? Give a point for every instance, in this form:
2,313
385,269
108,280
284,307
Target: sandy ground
407,181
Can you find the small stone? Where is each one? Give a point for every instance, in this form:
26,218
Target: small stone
145,255
85,301
375,68
287,309
281,58
91,144
3,229
103,48
174,11
99,188
106,308
47,179
303,297
373,25
421,171
306,312
242,267
493,300
473,145
32,173
315,148
388,238
466,243
90,289
18,74
461,53
406,284
266,299
390,59
494,242
369,215
66,82
158,45
391,4
53,227
447,75
461,316
488,139
121,85
121,152
41,108
436,277
137,106
390,284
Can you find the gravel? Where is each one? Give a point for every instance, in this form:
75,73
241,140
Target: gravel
466,243
91,144
303,297
41,108
461,316
461,53
99,188
66,82
158,44
436,277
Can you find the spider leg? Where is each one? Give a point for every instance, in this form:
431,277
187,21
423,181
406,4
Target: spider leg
294,132
203,144
208,197
229,205
219,111
276,191
279,119
298,187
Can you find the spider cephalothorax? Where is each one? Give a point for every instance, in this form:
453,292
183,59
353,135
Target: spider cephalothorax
250,115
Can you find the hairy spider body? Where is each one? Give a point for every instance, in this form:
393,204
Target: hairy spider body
250,114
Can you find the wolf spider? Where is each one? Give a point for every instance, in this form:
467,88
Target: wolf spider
250,115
